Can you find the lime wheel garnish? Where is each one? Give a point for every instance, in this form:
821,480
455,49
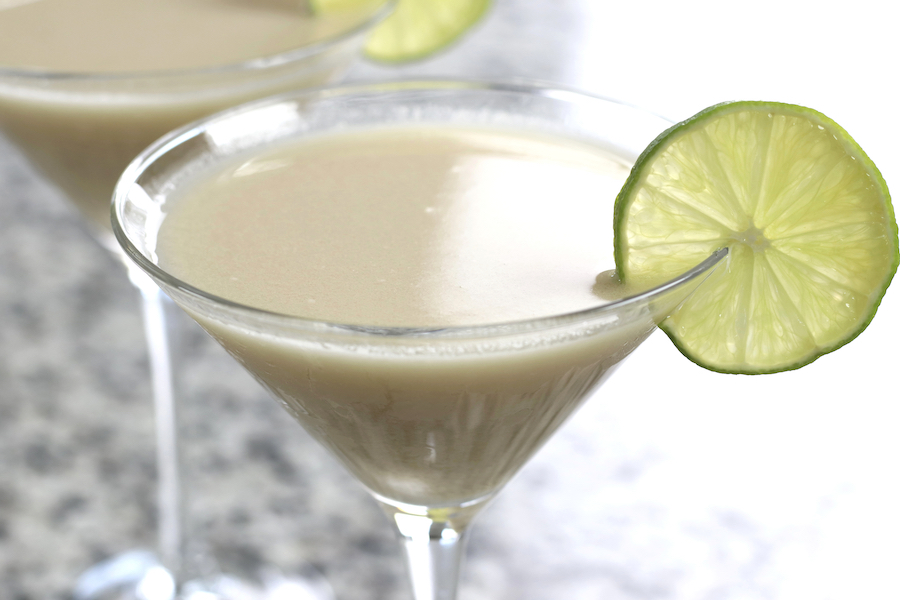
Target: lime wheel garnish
805,214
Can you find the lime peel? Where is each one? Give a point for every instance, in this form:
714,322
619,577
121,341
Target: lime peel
806,216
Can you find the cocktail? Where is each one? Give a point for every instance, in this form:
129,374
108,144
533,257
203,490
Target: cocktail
416,271
106,78
86,85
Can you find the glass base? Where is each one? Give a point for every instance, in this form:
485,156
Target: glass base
139,575
132,575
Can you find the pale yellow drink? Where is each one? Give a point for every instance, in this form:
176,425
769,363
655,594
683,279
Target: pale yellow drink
412,227
85,85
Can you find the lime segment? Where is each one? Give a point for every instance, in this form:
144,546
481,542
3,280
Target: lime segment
805,214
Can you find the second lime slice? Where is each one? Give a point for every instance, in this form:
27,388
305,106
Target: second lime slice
417,28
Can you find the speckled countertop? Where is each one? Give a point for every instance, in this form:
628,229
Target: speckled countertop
672,483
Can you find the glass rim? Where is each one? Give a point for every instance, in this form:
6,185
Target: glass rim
188,132
263,62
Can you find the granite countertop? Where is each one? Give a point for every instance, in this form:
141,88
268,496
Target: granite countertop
672,482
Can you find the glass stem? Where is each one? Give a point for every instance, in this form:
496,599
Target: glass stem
434,554
170,506
434,542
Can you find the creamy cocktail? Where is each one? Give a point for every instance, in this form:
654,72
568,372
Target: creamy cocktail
411,227
409,269
85,85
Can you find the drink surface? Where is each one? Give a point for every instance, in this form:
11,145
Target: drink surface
101,36
417,227
402,227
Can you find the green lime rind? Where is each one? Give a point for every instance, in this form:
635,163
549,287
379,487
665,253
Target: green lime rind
807,218
418,28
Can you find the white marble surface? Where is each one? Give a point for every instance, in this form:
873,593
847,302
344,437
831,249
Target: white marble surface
672,483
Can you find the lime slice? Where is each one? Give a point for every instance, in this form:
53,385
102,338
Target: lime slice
805,214
417,28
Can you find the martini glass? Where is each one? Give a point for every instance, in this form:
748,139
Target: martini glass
432,421
80,130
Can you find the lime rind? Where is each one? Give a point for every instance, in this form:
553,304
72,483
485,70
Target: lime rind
807,217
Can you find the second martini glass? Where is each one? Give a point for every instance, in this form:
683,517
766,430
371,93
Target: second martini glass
433,421
81,128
